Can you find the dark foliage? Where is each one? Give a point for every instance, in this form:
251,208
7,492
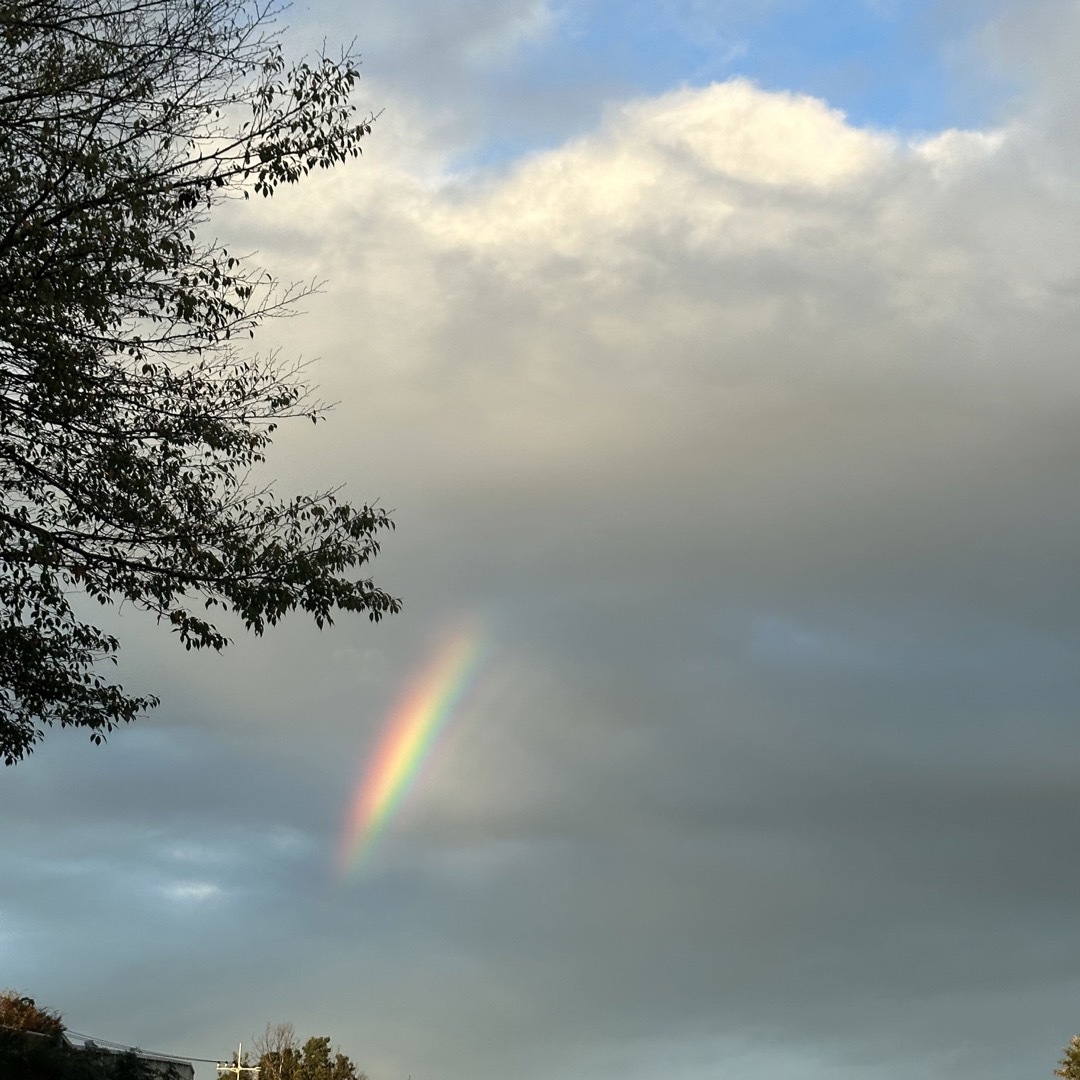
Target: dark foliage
281,1057
130,417
32,1047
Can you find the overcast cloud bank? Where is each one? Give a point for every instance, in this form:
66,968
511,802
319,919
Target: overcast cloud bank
750,437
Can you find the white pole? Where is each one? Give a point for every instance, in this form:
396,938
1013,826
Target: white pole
238,1068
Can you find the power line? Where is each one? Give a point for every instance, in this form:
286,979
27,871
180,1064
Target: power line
109,1044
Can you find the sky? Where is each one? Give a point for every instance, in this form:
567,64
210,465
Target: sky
719,361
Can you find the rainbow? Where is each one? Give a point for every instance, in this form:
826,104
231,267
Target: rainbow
409,736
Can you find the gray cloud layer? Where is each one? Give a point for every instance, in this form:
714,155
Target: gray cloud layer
750,438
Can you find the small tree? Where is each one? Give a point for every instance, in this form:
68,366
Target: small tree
130,418
1069,1066
278,1050
21,1013
281,1057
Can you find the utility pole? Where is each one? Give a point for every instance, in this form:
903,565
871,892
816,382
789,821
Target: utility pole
238,1069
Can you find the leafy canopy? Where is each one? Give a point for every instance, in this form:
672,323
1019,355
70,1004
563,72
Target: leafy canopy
33,1047
131,415
1069,1065
281,1057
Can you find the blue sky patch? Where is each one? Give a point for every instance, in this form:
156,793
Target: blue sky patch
902,66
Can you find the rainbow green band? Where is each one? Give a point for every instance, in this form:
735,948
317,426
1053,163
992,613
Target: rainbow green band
409,737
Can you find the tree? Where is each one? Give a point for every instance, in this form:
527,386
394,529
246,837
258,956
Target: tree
21,1013
282,1058
32,1047
1069,1066
130,417
276,1047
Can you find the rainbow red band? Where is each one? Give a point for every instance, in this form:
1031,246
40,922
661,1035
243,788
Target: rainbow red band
409,737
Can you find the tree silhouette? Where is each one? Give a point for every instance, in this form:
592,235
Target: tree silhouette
130,416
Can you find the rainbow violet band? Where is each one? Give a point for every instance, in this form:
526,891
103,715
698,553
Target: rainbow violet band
421,715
